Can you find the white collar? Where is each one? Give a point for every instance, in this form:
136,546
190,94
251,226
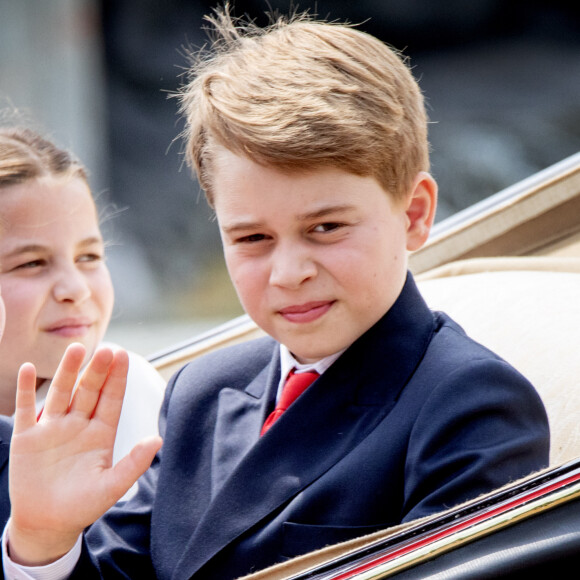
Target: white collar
288,362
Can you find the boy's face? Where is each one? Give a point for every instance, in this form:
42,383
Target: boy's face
55,284
316,258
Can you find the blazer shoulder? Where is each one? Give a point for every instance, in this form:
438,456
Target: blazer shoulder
456,342
454,360
256,352
232,364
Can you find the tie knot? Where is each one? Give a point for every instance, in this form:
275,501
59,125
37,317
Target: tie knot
295,385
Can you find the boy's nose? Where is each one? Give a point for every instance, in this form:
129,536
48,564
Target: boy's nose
291,266
71,286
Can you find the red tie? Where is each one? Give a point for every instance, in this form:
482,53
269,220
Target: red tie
295,385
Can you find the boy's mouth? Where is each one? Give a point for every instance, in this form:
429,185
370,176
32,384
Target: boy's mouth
307,312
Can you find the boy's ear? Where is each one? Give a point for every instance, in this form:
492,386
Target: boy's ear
420,210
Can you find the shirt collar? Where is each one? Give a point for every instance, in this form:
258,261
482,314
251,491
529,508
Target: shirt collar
288,362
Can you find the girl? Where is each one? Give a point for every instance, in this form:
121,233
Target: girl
55,283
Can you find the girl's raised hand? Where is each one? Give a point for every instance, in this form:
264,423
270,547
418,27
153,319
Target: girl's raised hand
61,473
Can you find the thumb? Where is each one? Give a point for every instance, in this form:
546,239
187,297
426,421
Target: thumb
126,472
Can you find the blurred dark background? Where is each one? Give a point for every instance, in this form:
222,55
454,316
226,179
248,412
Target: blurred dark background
501,79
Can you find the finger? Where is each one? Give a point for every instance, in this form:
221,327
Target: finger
25,415
62,385
126,472
110,402
93,379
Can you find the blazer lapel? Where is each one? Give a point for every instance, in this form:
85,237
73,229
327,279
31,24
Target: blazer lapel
239,420
329,420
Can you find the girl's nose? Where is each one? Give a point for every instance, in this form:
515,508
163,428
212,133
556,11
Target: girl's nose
71,286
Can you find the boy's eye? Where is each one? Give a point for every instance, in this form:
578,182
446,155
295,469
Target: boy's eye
252,238
327,227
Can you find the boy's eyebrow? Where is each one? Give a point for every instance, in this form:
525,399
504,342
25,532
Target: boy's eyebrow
316,214
241,226
323,212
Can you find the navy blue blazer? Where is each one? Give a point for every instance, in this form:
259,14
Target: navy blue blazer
412,419
5,436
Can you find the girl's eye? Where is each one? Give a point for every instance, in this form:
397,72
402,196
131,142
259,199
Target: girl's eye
31,264
90,258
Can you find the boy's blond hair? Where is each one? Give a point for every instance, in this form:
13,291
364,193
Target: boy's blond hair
303,94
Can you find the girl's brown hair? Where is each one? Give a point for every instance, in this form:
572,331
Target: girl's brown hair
26,155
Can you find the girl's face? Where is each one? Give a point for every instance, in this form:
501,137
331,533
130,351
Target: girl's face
55,284
2,316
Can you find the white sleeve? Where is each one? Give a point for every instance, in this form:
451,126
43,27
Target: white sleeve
140,413
143,398
59,570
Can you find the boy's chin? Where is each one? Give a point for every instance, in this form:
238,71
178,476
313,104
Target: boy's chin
309,356
306,360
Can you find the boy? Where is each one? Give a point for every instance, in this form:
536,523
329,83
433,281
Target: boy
310,142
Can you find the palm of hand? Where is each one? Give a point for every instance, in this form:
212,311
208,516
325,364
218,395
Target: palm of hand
61,473
62,466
